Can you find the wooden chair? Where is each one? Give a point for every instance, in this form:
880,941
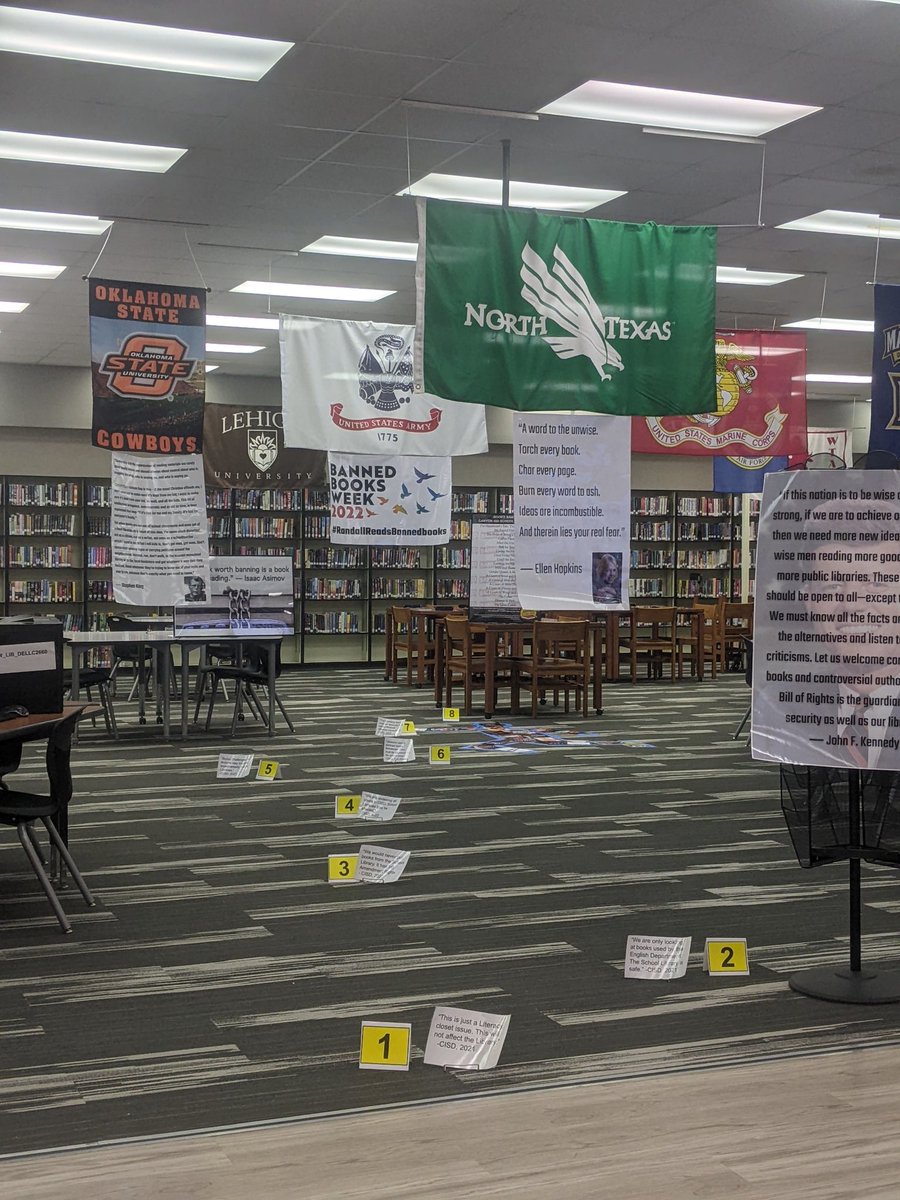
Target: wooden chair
712,645
465,660
736,626
560,660
653,634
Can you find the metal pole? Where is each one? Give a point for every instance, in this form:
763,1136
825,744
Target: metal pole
504,145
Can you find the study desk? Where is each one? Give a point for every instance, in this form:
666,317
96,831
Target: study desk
36,727
187,640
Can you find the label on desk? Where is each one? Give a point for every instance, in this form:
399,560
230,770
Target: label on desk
656,957
398,750
380,864
268,770
234,766
377,808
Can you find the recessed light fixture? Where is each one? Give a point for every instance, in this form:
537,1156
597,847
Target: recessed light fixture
86,152
48,222
475,190
839,379
126,44
363,248
13,306
667,108
17,270
856,224
832,324
231,348
223,322
748,278
311,291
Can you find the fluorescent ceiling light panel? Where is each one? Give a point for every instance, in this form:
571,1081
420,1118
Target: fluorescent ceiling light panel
126,44
18,270
475,190
86,152
231,348
748,278
363,248
223,322
13,306
832,324
311,291
839,379
856,224
666,108
48,222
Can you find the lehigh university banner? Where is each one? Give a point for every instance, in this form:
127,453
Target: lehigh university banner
148,369
244,448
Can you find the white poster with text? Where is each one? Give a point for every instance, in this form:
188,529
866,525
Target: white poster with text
826,644
572,490
389,500
160,548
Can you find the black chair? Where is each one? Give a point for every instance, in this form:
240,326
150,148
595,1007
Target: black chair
748,679
23,809
248,676
99,678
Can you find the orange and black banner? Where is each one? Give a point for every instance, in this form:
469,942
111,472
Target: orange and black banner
148,370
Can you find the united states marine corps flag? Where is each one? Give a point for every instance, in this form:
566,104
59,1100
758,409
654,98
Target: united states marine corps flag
148,371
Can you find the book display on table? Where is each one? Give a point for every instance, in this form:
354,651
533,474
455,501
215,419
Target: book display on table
332,589
652,548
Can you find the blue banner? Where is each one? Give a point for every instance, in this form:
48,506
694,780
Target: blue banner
744,474
884,433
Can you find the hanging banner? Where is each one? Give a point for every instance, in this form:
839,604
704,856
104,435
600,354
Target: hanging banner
826,642
389,500
542,312
572,486
348,385
760,402
492,577
884,431
245,448
160,550
744,474
148,366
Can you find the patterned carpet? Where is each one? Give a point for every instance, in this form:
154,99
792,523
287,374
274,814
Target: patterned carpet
221,980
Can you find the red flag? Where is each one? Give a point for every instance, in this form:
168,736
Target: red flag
761,402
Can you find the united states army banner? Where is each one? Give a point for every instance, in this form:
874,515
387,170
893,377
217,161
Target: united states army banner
148,366
884,431
348,385
243,447
544,312
760,381
389,500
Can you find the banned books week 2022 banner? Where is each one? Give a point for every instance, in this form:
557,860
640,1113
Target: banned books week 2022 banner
348,385
572,488
545,312
760,380
389,500
148,366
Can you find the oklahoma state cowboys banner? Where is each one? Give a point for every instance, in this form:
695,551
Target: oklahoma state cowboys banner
148,371
760,402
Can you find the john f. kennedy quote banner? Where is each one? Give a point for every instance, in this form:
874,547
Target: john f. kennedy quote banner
148,371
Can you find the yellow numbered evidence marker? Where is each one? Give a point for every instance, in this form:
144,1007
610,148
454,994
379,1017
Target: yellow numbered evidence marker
346,806
407,729
342,868
439,754
384,1046
268,769
451,714
726,956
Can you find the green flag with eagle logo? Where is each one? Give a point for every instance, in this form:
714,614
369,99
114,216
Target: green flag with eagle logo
541,311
